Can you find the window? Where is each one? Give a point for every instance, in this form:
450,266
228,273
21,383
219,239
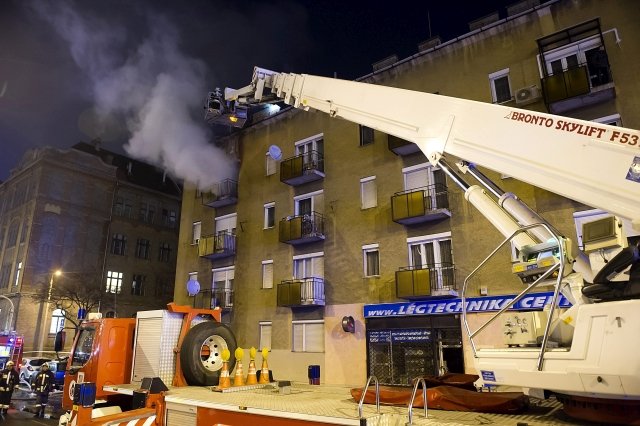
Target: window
162,288
371,259
433,252
223,284
147,213
429,179
269,165
312,151
366,135
12,237
143,248
137,285
307,203
368,192
118,244
308,336
612,120
267,274
169,218
18,271
308,265
589,52
265,334
226,223
269,215
500,86
164,254
5,275
196,230
118,206
114,282
57,321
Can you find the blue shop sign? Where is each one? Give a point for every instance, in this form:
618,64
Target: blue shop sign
531,302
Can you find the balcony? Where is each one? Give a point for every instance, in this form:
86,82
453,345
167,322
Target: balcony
222,194
212,298
401,146
217,246
303,168
575,78
302,229
307,291
436,280
578,87
425,204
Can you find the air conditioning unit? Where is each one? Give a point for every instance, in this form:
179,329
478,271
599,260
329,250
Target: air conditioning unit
527,95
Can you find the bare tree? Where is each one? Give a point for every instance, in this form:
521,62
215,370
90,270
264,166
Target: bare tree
71,295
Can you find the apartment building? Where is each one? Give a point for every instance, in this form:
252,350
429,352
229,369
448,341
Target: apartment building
87,219
340,246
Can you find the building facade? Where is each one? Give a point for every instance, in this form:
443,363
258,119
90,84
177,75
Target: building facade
349,249
84,218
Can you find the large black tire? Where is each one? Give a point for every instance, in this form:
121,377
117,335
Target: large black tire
202,367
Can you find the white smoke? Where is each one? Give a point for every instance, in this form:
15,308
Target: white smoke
149,81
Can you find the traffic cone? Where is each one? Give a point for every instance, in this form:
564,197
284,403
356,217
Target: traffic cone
238,379
225,381
264,373
252,379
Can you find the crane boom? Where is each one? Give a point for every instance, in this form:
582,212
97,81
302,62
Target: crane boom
592,163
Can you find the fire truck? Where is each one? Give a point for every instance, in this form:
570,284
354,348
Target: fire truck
591,363
11,346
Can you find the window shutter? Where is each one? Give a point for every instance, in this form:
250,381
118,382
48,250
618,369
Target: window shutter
298,338
267,275
314,337
416,179
369,194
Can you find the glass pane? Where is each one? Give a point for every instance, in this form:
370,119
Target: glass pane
556,67
503,91
572,61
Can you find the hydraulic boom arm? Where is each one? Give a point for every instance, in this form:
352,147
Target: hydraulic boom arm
595,164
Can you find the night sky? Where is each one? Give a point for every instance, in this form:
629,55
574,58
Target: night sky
135,73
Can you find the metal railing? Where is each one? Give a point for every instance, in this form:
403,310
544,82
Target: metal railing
364,394
417,381
554,302
419,201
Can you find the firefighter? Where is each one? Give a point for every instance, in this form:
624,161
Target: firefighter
42,385
8,382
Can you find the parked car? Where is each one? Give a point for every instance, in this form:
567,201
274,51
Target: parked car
30,368
58,367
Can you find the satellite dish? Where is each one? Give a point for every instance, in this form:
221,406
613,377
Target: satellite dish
275,152
193,287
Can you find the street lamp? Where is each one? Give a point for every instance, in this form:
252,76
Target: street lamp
45,313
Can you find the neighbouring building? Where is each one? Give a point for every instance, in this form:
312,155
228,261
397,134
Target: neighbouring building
99,218
350,251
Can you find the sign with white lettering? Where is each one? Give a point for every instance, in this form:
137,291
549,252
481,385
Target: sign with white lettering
530,302
399,336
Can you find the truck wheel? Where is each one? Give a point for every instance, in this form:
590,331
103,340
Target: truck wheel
200,354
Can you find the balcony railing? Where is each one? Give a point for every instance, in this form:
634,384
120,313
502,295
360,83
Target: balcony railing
212,298
420,205
435,280
222,194
308,291
577,87
401,146
302,229
217,246
303,168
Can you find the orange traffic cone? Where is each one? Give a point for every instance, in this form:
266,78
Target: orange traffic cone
238,379
264,373
252,379
225,381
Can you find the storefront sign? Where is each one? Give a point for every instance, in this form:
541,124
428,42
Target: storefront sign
399,336
530,302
